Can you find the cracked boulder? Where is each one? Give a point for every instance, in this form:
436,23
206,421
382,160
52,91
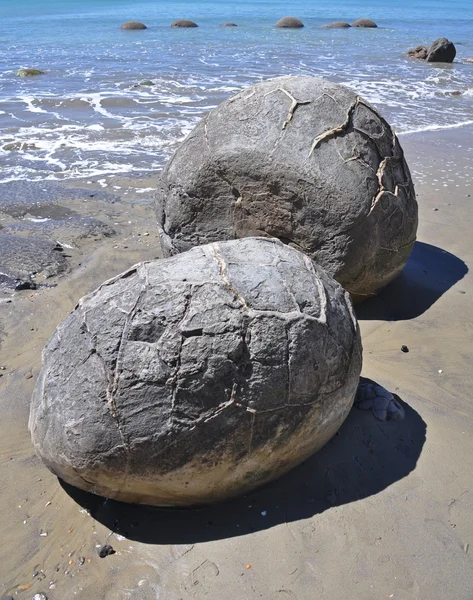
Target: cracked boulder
191,379
301,159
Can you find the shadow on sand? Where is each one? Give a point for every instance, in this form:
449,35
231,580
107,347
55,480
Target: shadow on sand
364,457
428,274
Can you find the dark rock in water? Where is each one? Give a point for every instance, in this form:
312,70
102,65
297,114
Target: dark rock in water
29,72
289,23
418,52
133,25
336,25
147,82
187,380
301,159
183,23
65,230
228,25
20,258
441,50
105,550
364,23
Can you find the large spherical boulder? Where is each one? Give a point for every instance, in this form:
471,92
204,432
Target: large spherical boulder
190,379
336,25
183,23
301,159
133,25
289,23
364,23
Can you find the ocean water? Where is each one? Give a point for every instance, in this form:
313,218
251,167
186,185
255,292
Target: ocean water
90,115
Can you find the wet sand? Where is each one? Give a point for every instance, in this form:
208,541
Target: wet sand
383,511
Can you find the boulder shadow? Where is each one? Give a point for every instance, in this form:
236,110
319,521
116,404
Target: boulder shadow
363,458
428,274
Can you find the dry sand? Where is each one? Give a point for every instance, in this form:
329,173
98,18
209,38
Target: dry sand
385,510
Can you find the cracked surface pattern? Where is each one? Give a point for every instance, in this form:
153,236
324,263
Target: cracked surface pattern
303,160
190,379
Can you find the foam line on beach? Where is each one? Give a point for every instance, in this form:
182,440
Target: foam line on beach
437,127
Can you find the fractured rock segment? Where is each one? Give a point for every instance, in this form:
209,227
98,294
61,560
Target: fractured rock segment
190,379
301,159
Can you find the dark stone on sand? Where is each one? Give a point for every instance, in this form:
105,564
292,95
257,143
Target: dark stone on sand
105,550
364,23
228,25
20,258
336,25
29,72
301,159
133,25
441,50
187,380
183,23
289,23
404,348
63,230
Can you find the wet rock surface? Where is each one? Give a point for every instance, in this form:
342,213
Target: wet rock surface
441,50
188,380
67,230
133,25
364,23
289,23
26,261
336,25
183,23
301,159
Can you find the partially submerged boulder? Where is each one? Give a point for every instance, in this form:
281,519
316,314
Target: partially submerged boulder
441,50
364,23
183,23
29,72
289,23
336,25
228,25
187,380
301,159
133,25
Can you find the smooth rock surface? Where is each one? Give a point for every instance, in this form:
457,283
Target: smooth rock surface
29,72
336,25
301,159
183,23
133,25
364,23
289,23
187,380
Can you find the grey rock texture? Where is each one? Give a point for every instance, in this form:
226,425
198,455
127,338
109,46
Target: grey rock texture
301,159
183,23
133,25
364,23
441,50
22,258
187,380
228,25
289,23
336,25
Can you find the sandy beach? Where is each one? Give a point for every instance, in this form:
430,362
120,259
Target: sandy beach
383,511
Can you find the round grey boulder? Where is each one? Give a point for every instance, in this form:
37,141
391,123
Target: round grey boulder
188,380
183,23
364,23
289,23
336,25
301,159
133,25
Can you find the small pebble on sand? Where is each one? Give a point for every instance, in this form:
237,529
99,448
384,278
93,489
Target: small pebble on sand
105,550
404,348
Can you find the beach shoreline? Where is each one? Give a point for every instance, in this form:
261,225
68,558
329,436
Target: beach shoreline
383,511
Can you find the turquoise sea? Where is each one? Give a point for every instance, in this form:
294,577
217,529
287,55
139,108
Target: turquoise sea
89,114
